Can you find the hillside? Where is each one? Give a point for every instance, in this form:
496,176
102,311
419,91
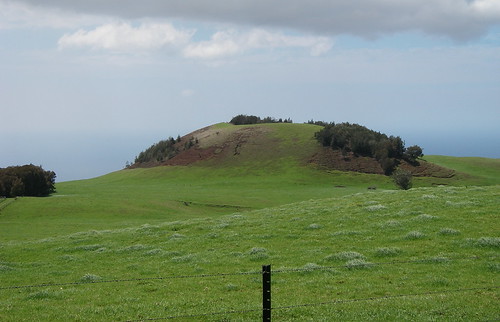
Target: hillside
225,144
232,168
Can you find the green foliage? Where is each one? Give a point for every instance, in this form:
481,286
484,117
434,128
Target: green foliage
412,153
347,137
320,123
161,151
26,180
252,119
402,178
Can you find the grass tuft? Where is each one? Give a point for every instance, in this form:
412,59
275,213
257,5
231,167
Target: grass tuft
90,278
375,207
5,268
390,224
89,247
412,235
343,256
358,263
44,295
258,253
494,267
387,251
424,217
133,248
314,226
231,287
493,242
449,231
177,236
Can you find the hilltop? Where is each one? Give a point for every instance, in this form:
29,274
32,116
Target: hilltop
227,144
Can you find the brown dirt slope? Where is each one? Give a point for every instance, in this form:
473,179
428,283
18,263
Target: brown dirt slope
334,160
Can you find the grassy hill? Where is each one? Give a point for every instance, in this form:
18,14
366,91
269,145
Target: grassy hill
247,196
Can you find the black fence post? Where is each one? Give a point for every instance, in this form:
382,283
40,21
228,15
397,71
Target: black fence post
266,293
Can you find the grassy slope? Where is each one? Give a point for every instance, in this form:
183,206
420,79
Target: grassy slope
269,171
197,219
472,170
444,228
264,175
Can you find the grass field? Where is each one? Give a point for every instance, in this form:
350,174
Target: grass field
375,245
115,247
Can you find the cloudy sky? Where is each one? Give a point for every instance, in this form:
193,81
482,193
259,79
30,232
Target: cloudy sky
86,85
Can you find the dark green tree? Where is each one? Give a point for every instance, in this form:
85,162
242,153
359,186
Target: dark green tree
412,153
402,178
26,180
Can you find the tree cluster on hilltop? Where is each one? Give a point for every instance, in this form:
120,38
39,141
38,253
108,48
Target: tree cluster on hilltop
164,150
355,138
26,180
252,119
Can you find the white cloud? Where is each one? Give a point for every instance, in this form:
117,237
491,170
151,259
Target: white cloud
488,8
124,37
229,43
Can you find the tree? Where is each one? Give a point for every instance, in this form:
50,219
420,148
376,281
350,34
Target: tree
26,180
412,153
402,178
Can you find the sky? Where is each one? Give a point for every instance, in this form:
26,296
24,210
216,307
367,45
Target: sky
85,86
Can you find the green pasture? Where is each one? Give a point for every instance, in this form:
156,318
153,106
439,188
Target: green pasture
423,254
471,170
102,245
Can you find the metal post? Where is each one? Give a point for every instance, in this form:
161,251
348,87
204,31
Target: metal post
266,293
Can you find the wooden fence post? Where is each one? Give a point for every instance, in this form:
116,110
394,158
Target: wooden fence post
266,293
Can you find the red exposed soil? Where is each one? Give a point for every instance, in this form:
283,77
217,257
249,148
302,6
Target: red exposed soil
191,155
334,160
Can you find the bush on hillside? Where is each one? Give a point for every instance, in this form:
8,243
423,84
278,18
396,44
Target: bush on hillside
402,178
26,180
252,119
163,150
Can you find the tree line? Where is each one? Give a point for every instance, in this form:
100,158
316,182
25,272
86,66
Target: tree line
165,150
252,119
26,180
361,141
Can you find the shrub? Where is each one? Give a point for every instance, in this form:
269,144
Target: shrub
402,179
